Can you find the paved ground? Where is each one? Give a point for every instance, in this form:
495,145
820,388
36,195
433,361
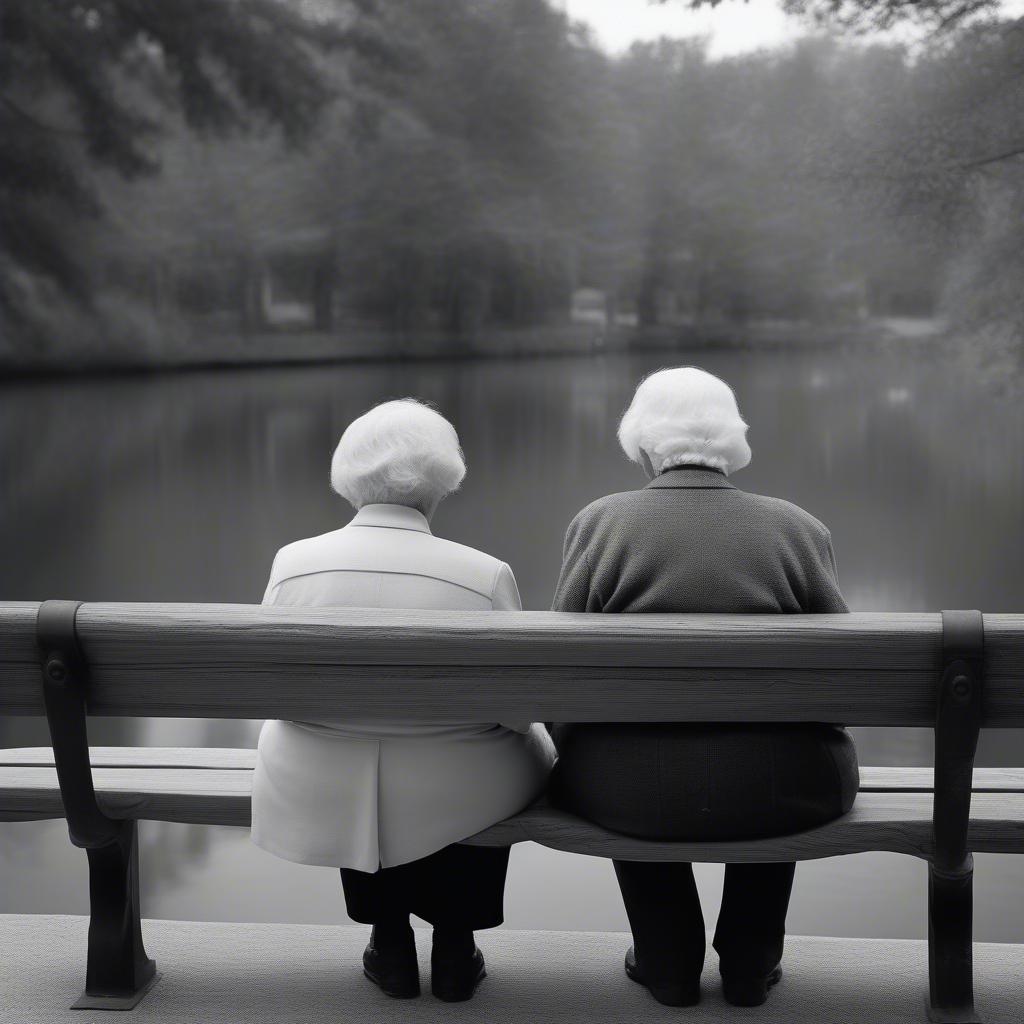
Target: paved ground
244,974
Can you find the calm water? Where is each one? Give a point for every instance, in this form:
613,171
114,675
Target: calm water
181,488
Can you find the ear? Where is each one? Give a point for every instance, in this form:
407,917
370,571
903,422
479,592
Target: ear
645,461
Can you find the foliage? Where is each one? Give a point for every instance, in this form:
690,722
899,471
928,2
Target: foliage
478,180
474,162
940,15
879,15
89,85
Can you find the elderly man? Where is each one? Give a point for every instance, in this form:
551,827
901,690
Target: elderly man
691,541
388,802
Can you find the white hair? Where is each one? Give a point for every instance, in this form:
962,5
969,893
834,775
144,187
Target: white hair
401,452
685,417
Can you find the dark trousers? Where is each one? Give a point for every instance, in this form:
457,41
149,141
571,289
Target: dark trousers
708,782
668,927
705,782
459,887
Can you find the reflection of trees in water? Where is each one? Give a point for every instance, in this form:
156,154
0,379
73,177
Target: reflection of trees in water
181,488
169,851
168,848
32,731
19,841
24,732
195,732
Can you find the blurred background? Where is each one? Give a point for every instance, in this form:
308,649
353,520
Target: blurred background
228,228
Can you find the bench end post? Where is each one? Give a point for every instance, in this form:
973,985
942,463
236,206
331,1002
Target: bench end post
951,869
118,972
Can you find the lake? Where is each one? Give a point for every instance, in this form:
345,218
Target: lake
181,487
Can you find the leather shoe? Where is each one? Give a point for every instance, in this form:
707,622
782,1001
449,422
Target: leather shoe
750,991
454,979
393,969
668,991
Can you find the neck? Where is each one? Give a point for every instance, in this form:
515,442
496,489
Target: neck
694,465
426,512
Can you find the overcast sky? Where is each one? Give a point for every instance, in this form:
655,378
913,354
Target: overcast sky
733,26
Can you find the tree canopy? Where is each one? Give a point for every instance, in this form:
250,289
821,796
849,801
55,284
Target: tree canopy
474,163
875,15
93,85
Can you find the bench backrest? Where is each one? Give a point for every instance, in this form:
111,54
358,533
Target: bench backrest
247,661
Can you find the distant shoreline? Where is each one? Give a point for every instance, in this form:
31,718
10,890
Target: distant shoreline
311,348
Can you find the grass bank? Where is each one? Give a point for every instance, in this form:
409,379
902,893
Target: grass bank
198,349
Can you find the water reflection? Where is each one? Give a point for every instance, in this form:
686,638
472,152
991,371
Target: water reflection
181,488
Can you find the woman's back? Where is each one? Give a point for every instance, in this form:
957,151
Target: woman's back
386,557
371,791
388,802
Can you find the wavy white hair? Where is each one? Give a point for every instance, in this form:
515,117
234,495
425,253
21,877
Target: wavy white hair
401,452
684,416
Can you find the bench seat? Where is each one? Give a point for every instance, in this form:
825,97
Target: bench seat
212,786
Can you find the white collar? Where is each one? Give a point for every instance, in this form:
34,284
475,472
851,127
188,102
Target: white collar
393,517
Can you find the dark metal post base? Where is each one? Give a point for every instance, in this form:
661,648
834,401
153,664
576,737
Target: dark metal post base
88,1002
950,966
118,972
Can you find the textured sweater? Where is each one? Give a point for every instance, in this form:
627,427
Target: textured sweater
690,541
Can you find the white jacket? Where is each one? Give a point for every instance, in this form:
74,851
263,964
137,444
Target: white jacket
375,794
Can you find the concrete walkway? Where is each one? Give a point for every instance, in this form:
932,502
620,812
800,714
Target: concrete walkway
244,974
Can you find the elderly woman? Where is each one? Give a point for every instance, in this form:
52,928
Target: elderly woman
691,541
388,801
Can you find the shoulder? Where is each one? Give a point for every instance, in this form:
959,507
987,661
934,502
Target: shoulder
464,555
298,558
397,551
460,564
786,515
604,510
300,551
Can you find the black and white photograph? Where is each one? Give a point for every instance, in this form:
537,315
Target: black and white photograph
512,511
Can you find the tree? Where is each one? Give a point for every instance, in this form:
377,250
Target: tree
483,173
87,85
879,15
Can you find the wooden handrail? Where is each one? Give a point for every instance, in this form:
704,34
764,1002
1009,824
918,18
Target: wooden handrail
247,661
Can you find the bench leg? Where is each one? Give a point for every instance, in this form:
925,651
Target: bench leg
118,972
950,967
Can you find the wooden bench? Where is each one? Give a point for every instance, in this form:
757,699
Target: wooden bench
955,672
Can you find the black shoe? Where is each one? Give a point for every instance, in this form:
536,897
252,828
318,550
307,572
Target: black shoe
750,991
454,979
669,992
393,969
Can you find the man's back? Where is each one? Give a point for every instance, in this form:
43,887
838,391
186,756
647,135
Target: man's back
692,542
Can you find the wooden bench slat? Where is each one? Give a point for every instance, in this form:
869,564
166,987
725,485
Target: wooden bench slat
196,796
911,779
586,694
891,822
245,661
142,634
237,758
898,778
853,697
880,820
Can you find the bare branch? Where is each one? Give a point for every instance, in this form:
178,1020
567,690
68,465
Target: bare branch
1018,150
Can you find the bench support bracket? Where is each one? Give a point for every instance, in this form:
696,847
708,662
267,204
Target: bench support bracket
951,871
118,972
